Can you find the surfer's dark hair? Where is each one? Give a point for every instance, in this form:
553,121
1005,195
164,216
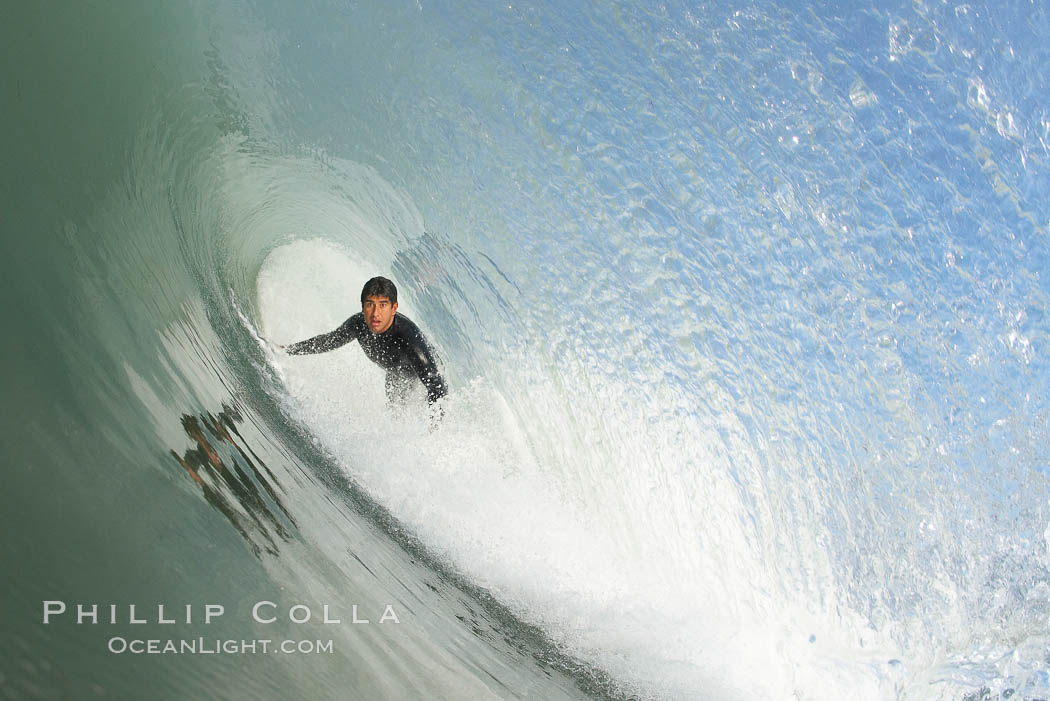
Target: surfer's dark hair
379,287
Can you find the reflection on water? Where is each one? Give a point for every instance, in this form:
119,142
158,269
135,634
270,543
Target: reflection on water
232,484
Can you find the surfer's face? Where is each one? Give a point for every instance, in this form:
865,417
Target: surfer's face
379,313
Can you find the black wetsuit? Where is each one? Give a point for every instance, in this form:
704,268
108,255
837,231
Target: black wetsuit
401,350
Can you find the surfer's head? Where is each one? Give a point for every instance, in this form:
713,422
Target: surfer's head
379,304
379,287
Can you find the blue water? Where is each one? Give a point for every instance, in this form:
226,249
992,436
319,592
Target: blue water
744,312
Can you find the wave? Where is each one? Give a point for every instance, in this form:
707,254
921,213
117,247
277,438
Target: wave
743,314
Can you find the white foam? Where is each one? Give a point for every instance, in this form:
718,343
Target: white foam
594,519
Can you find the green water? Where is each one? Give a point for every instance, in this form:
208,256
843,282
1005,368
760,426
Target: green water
140,463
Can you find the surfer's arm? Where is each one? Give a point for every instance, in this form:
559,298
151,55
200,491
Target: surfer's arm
325,341
422,360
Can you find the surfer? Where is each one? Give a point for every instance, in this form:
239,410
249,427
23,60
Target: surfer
390,340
